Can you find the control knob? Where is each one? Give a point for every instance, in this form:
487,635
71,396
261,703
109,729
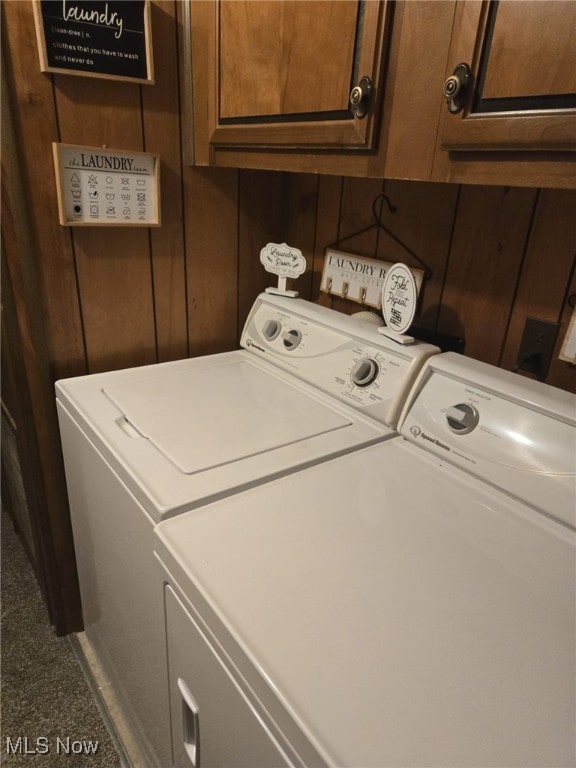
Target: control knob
462,418
272,329
365,372
291,339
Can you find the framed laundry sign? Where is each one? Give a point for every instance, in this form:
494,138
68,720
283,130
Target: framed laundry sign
95,39
106,187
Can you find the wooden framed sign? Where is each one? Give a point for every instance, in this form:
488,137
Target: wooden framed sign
106,187
95,39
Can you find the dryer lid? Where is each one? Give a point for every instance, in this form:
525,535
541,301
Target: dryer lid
420,601
201,419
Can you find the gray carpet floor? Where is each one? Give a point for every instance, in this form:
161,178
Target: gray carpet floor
49,714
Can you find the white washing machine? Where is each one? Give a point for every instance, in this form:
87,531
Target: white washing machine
408,604
145,444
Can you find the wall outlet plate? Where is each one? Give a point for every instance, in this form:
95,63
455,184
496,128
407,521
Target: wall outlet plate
537,346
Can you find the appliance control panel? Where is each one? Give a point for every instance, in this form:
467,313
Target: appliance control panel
517,434
340,355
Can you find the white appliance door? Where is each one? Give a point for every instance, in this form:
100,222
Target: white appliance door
213,723
396,609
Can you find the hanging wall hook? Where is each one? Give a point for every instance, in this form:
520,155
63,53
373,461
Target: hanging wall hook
382,196
391,208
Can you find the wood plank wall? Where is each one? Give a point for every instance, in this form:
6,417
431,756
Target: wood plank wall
118,297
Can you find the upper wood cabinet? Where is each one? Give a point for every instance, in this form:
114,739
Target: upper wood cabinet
521,94
280,73
270,82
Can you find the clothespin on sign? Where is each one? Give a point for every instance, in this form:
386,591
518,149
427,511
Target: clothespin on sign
282,260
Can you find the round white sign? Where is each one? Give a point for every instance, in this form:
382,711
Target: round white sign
399,298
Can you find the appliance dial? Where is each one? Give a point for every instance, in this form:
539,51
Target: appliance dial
272,329
462,418
365,372
291,339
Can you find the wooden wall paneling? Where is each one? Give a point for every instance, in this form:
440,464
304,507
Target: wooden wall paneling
210,203
563,374
113,263
327,228
485,259
36,127
160,110
14,491
211,229
423,220
262,219
22,486
35,413
99,112
300,209
546,270
355,216
116,294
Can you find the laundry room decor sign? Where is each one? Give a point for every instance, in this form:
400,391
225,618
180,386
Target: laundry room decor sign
284,261
358,278
95,39
399,298
104,187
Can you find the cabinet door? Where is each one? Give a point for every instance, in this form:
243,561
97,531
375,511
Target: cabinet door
522,90
285,71
213,723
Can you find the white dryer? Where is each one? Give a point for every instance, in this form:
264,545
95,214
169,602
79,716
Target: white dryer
411,603
145,444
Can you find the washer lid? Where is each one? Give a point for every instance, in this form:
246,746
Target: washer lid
201,419
208,426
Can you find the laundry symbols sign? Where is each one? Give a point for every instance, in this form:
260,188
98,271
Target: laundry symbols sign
106,187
